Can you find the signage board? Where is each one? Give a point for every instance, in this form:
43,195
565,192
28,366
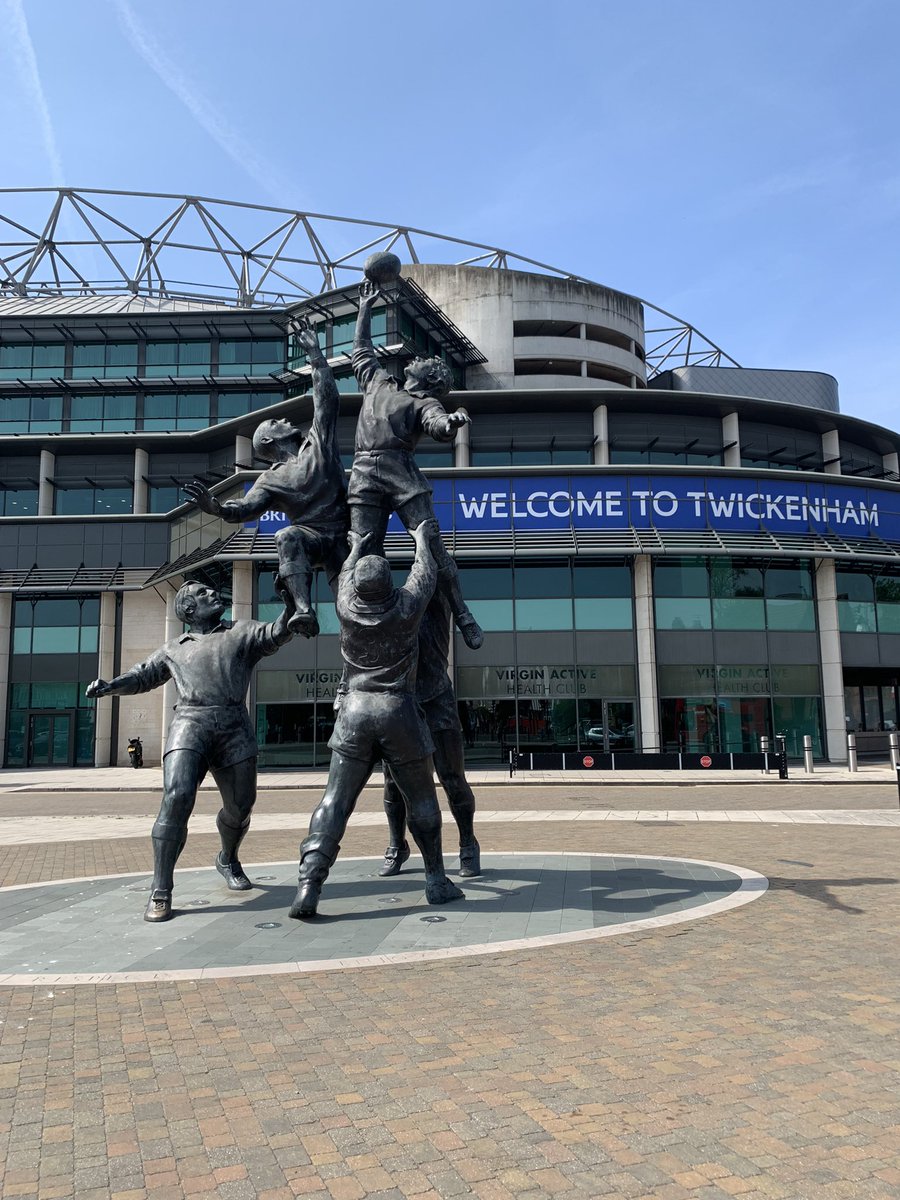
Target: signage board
727,503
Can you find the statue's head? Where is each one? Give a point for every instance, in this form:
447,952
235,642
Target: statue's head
428,376
372,578
198,601
273,441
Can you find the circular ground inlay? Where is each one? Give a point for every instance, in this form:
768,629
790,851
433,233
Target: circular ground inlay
91,930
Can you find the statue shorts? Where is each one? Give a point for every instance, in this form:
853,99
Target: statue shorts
222,734
372,725
386,479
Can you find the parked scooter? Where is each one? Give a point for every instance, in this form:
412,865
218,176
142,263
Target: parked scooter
135,752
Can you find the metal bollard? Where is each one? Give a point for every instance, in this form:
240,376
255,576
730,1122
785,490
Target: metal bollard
894,740
807,754
765,747
852,761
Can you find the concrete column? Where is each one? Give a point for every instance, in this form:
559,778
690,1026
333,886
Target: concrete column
243,451
45,493
241,591
891,463
462,448
831,451
645,638
106,669
141,488
832,665
5,629
731,432
174,628
601,436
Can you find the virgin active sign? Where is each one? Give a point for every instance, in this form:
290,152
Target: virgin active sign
476,504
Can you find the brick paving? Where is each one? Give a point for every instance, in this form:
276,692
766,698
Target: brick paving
751,1054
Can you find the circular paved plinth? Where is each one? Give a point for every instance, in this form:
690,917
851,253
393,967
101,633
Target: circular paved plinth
91,931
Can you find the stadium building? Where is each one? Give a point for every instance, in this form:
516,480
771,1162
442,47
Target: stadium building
666,550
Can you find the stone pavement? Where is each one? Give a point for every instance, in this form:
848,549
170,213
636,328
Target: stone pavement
105,779
752,1052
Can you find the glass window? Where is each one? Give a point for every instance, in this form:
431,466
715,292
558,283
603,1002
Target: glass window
796,716
486,583
99,500
492,615
602,580
176,410
46,414
544,614
95,414
238,404
163,498
104,360
888,618
855,585
681,577
543,581
739,614
177,359
684,612
613,612
853,709
34,360
251,356
729,579
690,725
856,618
18,502
783,583
790,614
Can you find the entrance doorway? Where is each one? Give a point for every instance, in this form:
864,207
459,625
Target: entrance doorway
51,738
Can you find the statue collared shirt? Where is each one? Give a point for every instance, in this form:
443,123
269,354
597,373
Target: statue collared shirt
209,669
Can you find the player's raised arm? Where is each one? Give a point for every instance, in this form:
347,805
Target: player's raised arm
420,584
364,358
326,398
257,501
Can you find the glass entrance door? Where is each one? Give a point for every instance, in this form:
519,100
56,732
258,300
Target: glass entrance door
606,725
51,741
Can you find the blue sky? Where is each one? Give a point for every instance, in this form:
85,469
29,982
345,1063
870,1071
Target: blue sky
735,162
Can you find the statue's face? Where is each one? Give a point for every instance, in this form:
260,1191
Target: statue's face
415,373
207,604
282,429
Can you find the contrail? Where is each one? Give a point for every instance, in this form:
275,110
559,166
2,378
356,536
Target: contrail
203,112
25,60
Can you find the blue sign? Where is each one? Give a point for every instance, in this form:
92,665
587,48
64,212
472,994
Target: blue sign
726,503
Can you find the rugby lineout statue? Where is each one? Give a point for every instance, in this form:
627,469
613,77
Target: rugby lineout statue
434,693
384,477
378,716
305,481
211,730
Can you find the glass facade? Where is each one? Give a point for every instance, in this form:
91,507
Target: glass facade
868,602
701,593
50,723
121,412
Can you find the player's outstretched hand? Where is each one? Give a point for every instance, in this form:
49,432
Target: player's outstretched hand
305,333
368,291
202,497
99,687
358,540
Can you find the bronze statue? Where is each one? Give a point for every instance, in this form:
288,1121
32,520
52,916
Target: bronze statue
385,477
211,730
305,481
378,716
434,692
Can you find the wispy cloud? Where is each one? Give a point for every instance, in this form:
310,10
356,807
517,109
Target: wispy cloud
207,116
18,40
